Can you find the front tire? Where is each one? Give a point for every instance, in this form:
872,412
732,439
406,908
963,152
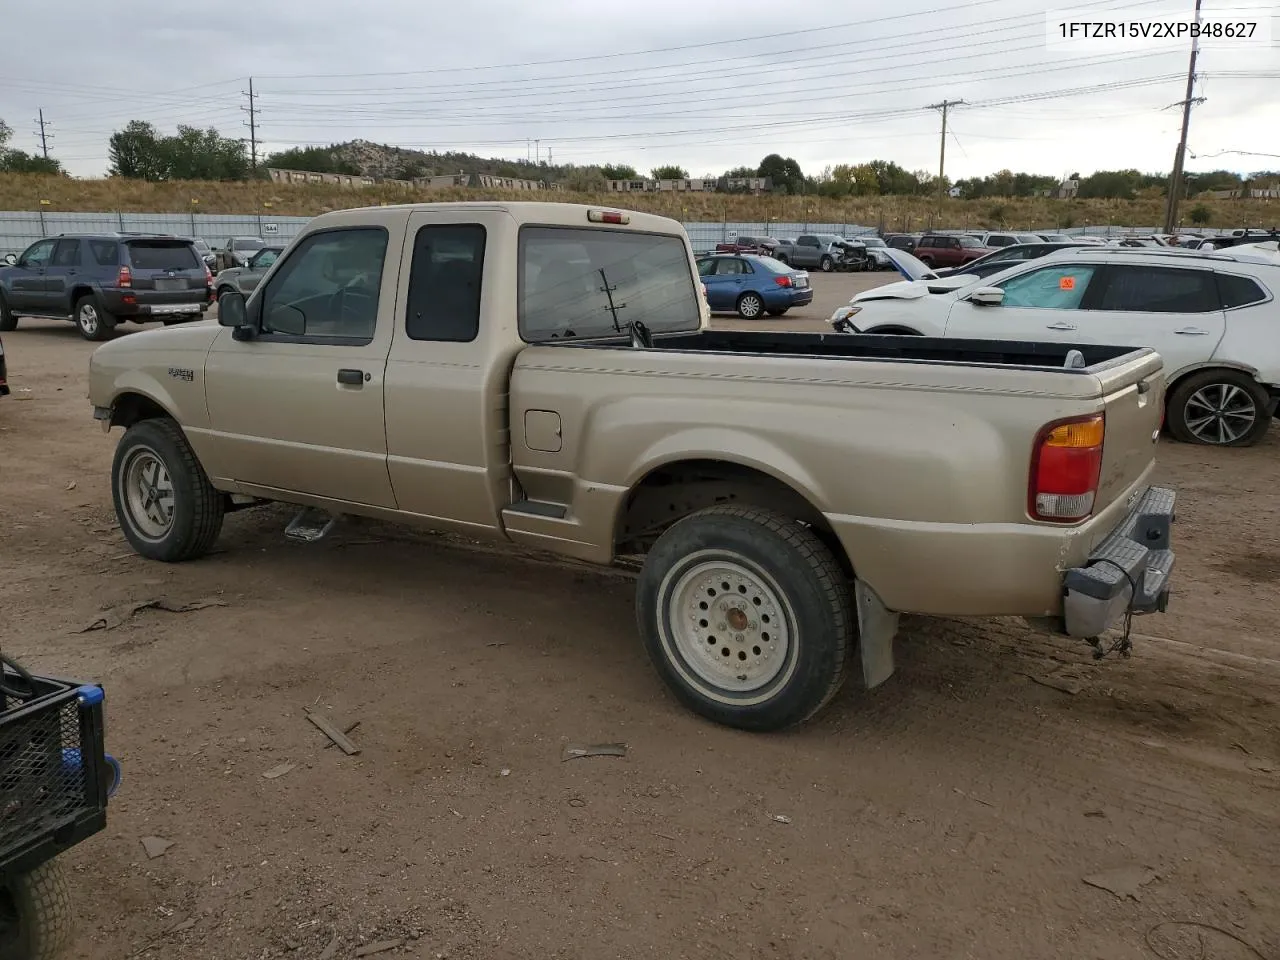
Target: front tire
92,321
1220,408
8,320
35,914
826,264
750,306
747,617
166,506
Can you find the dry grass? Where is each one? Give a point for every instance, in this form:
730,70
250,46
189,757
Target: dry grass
25,192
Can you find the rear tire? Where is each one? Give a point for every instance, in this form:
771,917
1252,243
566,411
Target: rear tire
1220,408
8,319
927,261
747,617
165,504
750,306
35,914
826,264
92,321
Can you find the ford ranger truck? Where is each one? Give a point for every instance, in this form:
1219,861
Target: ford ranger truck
545,374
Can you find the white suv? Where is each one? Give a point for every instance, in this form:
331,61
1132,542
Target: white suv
1213,317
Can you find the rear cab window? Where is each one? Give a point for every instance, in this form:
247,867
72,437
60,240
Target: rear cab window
162,255
578,282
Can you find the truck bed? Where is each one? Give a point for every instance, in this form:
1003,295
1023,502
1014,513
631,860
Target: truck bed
999,353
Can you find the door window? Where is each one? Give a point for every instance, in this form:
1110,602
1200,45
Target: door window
444,283
38,254
1053,288
706,267
328,287
730,268
66,253
1144,289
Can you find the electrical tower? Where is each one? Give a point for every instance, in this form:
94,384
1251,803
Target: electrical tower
44,134
1175,178
252,124
942,154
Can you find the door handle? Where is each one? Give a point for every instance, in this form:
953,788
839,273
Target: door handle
1192,332
351,378
1061,326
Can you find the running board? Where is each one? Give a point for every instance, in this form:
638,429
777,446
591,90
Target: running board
311,524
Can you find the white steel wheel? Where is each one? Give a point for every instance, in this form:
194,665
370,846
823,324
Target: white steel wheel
747,617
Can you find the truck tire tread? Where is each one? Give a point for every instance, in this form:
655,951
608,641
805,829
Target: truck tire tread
42,902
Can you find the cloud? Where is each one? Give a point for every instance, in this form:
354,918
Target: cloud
714,87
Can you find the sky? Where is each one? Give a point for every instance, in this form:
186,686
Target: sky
705,86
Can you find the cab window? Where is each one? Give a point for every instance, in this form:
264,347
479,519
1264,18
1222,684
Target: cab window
327,290
1050,288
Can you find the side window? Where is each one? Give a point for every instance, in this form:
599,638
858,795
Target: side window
729,268
328,288
954,243
807,242
1159,290
106,253
444,283
38,254
706,267
264,260
1238,291
66,254
1052,288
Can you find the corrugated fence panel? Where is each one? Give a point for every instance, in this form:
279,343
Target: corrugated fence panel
18,229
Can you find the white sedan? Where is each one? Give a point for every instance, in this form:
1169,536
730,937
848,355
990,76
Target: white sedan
1213,318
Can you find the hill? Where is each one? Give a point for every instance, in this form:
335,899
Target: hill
26,191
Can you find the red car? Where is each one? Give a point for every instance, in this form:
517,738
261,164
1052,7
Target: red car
949,250
764,246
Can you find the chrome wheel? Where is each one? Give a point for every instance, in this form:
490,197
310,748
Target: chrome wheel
750,306
88,319
1220,413
729,623
147,493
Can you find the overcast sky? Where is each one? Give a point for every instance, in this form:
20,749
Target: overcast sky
825,81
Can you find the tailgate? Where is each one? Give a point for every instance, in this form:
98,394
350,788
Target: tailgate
1133,397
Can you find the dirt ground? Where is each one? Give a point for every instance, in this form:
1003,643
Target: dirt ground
955,812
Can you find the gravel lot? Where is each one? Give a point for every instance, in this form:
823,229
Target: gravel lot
955,812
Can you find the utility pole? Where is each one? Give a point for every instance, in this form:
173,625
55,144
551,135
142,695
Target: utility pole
1175,179
942,154
44,135
252,111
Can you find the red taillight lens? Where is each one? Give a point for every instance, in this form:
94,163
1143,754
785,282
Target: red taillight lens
124,278
1066,464
208,275
782,281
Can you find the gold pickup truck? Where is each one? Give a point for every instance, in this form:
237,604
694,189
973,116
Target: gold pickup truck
545,374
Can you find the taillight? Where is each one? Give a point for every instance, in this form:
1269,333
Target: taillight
1066,463
782,281
208,276
124,277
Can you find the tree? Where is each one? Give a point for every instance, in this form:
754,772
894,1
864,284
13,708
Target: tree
311,160
590,179
19,161
669,172
139,152
618,171
1200,215
785,173
740,173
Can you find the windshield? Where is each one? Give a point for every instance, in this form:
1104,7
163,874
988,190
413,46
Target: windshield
248,243
581,282
265,259
972,243
872,241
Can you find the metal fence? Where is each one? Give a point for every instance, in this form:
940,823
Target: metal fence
18,229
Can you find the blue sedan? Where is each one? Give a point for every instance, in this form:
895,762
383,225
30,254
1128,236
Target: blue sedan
751,285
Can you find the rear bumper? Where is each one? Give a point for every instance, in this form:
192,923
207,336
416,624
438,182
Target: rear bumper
1129,570
139,306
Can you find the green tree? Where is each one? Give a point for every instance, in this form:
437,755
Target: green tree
669,172
139,152
618,171
589,179
311,160
740,173
785,173
1200,215
19,161
135,153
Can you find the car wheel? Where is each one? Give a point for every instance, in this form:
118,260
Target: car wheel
779,313
1222,408
8,320
35,914
782,258
166,506
92,321
747,617
826,264
750,306
927,261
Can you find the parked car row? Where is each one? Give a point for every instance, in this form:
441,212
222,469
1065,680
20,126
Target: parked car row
1212,317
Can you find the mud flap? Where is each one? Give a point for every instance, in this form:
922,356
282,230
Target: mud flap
877,627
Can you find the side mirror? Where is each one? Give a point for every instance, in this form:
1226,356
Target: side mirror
10,259
987,297
232,311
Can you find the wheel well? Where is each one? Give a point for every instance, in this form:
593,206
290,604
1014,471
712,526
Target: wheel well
130,408
891,330
78,292
1177,381
673,491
